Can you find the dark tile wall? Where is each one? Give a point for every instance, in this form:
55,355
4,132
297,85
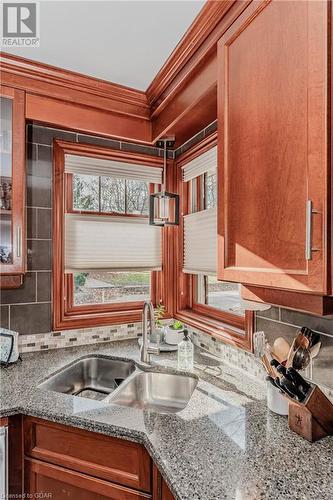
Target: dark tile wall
28,309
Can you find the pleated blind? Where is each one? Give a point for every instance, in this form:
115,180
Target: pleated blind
110,168
203,163
200,240
111,243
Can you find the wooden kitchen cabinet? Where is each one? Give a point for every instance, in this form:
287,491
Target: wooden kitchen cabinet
166,493
45,480
12,187
274,169
107,458
67,462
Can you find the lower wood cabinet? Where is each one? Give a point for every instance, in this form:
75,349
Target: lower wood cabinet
43,480
63,462
104,457
166,493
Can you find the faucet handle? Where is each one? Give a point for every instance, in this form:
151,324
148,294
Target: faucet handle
153,350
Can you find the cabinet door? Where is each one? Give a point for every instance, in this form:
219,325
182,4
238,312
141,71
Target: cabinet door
166,493
105,457
272,147
12,181
50,481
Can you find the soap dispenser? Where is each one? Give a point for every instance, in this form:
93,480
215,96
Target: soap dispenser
185,353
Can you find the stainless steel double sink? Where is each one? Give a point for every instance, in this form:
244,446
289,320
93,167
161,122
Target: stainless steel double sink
121,382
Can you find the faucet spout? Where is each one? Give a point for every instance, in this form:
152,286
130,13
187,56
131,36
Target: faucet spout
147,350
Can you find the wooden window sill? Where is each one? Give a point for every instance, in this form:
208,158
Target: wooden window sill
238,337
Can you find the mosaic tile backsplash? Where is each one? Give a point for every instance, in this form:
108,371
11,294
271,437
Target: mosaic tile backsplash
84,336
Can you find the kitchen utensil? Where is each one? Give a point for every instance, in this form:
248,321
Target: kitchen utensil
298,380
259,341
291,353
314,350
280,349
312,336
283,389
291,388
301,358
261,351
300,350
298,385
268,367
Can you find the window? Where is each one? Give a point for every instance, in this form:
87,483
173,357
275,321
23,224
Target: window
111,287
110,195
107,258
207,290
220,295
203,301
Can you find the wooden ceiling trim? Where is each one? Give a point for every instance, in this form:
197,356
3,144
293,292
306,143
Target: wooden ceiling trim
164,88
86,119
50,81
209,16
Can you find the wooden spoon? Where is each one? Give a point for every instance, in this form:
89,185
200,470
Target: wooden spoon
280,349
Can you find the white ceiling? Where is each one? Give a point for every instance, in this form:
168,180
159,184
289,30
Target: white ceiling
122,41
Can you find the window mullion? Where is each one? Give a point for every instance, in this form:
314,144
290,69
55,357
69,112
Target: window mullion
100,194
126,187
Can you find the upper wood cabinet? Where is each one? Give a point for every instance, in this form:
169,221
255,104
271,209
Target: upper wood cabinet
12,187
272,147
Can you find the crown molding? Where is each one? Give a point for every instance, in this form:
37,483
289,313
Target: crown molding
50,81
180,100
204,24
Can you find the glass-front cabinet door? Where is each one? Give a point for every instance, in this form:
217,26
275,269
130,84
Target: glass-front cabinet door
12,186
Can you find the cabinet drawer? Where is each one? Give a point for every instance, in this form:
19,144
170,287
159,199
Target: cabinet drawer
44,480
103,457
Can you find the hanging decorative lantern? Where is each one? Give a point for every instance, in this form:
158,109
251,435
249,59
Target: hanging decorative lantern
164,206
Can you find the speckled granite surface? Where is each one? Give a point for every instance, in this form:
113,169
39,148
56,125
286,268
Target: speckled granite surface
224,445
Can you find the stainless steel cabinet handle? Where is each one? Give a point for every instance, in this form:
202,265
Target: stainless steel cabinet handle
308,230
18,241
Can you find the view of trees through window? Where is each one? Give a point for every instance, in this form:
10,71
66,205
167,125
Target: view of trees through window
210,189
109,194
111,287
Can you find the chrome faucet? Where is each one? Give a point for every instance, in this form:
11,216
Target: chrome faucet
147,350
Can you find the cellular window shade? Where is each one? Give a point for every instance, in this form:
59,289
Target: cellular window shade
111,244
201,164
200,240
86,165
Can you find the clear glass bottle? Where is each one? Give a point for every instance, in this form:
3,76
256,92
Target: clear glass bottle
185,353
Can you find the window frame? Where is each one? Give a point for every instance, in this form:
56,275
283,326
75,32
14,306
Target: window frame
66,315
229,327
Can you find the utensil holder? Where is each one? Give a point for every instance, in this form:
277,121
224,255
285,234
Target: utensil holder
313,418
276,402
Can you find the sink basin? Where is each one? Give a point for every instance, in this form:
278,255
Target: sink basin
160,392
92,377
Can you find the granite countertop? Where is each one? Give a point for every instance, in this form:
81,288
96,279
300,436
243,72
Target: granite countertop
224,445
